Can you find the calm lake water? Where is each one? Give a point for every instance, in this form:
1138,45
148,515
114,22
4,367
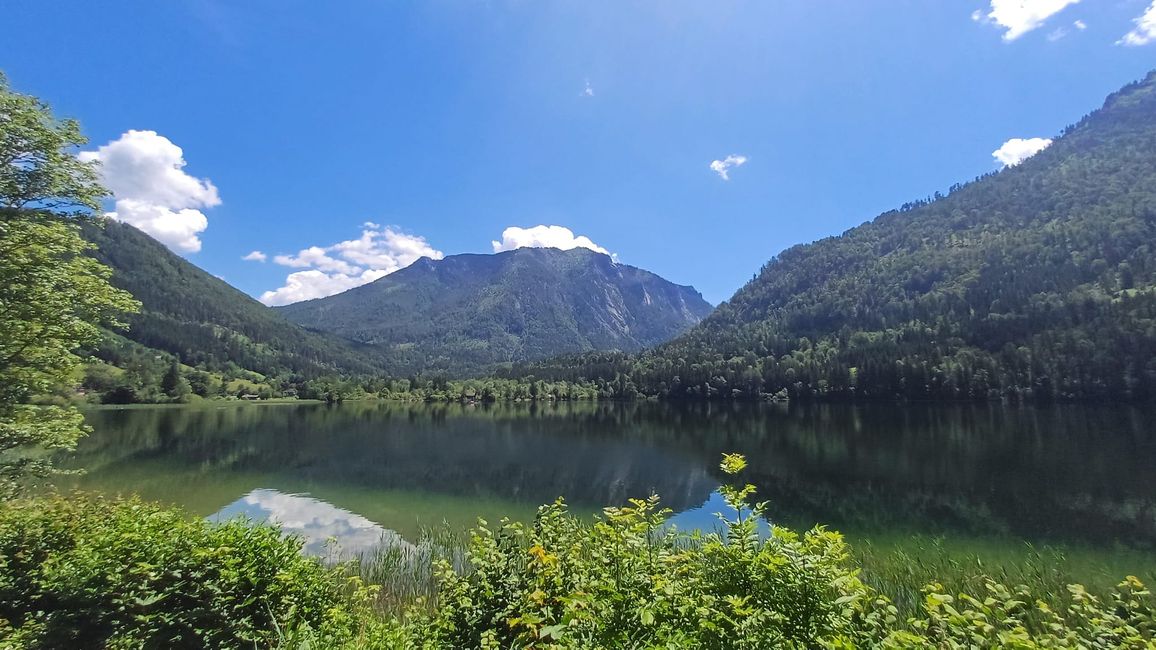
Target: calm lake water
1066,475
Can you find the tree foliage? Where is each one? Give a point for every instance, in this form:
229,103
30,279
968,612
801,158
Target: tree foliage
55,298
38,166
87,572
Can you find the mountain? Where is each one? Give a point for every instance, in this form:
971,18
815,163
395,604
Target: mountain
207,323
1035,282
466,313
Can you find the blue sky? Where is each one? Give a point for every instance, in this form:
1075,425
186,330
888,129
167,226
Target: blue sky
445,123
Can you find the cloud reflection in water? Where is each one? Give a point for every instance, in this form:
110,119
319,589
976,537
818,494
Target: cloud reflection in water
315,521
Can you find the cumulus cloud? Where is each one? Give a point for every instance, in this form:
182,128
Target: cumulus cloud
544,237
307,285
723,167
316,257
145,172
1080,25
1017,150
385,248
1018,17
1145,30
588,91
255,256
378,252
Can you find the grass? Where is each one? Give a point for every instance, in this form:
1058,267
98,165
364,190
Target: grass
898,566
406,574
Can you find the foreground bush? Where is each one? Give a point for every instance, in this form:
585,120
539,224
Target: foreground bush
92,573
625,582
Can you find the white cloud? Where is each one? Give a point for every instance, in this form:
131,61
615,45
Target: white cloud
544,237
1019,17
1060,32
722,167
145,172
307,285
255,256
1017,150
177,229
588,91
385,249
1145,30
316,257
378,252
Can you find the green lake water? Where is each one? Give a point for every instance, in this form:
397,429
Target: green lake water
987,478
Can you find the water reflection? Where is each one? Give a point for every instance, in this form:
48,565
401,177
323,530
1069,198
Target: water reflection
325,529
337,534
706,518
1054,474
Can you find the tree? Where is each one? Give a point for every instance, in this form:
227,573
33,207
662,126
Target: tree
173,384
54,298
38,165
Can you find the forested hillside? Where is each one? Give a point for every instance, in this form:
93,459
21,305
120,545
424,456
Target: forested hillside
1038,281
204,322
466,313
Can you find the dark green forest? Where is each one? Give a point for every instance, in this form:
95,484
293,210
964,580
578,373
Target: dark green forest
217,340
1036,282
204,320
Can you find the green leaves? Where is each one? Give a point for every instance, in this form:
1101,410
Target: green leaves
733,463
55,298
85,572
38,166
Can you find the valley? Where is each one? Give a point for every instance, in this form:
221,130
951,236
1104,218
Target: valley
226,422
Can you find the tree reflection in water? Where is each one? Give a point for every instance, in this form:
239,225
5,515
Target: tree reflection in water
1055,474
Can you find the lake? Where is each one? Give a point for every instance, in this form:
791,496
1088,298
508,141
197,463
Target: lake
1082,478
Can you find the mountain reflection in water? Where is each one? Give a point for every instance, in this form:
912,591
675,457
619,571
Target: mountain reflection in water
1056,474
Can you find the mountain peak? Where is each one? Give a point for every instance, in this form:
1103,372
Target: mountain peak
468,312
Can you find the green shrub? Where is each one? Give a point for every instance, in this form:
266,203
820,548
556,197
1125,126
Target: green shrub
94,573
1005,618
85,572
628,582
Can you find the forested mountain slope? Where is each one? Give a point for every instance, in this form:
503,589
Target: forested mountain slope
466,313
207,323
1036,281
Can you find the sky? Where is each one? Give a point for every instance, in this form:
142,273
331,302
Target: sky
299,148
